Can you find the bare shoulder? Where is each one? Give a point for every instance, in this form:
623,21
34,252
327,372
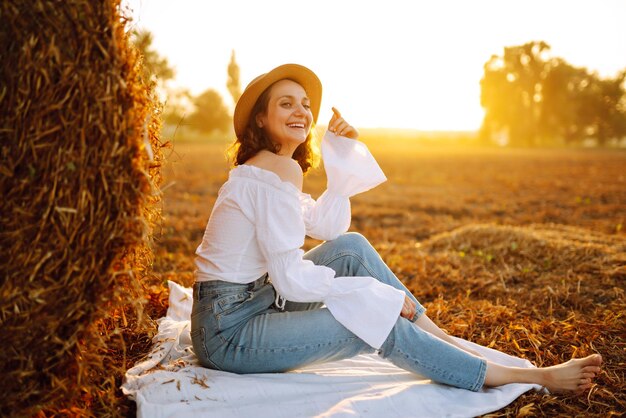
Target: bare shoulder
289,170
286,168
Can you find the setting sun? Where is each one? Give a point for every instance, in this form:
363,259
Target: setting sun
383,64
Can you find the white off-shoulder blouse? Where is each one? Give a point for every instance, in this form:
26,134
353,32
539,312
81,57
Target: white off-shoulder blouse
258,225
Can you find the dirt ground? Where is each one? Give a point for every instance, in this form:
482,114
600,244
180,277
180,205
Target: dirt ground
519,250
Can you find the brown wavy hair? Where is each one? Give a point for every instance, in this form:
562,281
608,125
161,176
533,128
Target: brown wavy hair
254,139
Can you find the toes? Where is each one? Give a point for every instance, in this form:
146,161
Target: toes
597,359
591,369
594,360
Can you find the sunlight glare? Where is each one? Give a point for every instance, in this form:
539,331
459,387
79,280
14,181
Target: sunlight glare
394,64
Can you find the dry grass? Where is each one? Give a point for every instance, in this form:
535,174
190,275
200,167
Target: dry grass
519,250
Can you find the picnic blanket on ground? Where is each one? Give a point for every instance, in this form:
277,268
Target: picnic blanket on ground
171,383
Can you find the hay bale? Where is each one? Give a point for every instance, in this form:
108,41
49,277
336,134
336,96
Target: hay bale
550,265
79,183
540,247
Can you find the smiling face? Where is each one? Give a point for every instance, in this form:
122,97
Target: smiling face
288,118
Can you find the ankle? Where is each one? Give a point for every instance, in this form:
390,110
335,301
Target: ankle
544,377
535,376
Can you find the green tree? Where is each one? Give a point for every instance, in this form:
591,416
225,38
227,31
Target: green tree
211,114
155,67
538,100
233,83
607,104
511,92
579,105
177,105
157,70
562,106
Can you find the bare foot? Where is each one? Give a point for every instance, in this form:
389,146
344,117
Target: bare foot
575,375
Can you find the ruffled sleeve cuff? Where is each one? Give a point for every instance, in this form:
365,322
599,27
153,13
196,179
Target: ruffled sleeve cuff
350,167
365,306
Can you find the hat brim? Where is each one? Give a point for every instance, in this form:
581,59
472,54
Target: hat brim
298,73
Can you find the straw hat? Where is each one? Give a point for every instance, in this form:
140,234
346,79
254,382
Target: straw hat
298,73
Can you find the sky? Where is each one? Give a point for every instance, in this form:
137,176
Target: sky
388,63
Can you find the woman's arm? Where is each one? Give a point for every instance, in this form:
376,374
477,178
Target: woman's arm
350,169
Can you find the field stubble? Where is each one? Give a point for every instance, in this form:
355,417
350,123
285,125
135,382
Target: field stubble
519,250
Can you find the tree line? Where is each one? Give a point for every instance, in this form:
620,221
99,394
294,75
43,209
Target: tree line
533,99
530,99
206,112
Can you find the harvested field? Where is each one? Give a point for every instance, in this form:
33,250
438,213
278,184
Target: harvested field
520,250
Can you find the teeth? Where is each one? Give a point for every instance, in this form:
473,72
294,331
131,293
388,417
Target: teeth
296,125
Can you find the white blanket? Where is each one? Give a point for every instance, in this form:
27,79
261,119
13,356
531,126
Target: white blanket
170,383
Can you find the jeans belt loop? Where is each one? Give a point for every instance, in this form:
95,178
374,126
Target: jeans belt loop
280,302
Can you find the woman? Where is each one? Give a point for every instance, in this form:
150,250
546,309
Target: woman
262,305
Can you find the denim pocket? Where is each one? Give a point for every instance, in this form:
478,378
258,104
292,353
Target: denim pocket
236,309
226,309
225,304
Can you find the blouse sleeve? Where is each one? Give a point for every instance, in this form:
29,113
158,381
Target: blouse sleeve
350,166
364,305
327,217
350,169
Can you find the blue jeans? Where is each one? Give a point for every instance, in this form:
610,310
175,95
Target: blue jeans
236,328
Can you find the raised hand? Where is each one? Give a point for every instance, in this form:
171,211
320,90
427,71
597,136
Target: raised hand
339,126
